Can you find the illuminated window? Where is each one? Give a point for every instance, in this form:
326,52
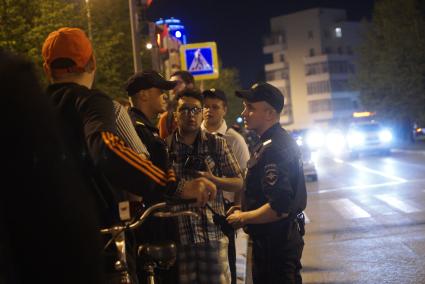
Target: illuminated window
338,32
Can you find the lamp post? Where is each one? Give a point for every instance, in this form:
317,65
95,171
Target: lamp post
89,20
134,36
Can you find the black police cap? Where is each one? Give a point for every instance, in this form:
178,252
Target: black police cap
215,93
263,92
147,79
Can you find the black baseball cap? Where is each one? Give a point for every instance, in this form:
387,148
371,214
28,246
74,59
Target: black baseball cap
215,94
263,92
145,80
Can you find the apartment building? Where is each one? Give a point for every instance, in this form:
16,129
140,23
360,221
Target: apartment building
312,55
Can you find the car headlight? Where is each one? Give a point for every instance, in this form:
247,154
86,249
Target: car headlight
385,136
335,142
315,139
356,138
299,141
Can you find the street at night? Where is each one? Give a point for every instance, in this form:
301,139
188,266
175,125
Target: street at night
366,221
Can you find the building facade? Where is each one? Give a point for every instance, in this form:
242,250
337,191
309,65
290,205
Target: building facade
312,60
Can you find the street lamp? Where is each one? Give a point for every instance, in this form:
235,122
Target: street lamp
89,19
134,36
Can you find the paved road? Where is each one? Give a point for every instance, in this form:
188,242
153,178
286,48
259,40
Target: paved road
367,220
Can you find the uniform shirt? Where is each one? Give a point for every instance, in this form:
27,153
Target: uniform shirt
221,162
275,176
238,147
88,123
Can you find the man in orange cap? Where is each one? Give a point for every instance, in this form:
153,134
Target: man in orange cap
89,125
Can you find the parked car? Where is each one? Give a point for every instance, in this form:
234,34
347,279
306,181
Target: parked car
368,137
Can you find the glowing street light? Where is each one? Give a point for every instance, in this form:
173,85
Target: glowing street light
149,45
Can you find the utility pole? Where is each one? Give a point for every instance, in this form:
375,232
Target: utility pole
135,38
89,20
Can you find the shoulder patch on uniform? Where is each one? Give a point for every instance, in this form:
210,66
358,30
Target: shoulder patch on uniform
267,142
271,174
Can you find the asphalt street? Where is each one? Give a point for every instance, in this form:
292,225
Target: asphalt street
366,220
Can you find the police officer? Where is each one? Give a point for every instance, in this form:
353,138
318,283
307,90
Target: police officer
275,192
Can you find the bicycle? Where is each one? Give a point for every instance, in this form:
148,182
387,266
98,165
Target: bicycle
151,255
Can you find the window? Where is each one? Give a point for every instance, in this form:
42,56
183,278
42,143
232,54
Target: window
328,50
339,50
319,87
282,58
277,75
326,34
320,106
334,67
312,52
310,34
338,32
339,86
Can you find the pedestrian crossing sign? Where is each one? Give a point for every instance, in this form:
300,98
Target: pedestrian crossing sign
200,59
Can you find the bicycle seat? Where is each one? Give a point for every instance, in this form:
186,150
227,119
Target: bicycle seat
163,253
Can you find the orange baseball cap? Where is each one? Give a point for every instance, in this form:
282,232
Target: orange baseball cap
67,43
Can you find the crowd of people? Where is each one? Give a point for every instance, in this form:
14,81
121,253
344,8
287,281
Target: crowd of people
74,154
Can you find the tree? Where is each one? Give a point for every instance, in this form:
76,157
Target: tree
25,24
391,67
228,82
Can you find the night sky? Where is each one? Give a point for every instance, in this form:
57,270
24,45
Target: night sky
238,26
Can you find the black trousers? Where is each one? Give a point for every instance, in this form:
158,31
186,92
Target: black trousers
277,258
232,258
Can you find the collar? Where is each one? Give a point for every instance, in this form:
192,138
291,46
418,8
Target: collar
269,132
221,130
141,118
200,137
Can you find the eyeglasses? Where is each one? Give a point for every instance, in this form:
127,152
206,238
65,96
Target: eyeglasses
191,110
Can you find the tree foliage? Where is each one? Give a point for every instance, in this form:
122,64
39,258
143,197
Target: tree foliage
391,66
25,24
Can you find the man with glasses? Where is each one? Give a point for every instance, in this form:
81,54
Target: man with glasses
184,81
146,92
202,255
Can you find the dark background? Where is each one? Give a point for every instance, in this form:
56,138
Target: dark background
238,26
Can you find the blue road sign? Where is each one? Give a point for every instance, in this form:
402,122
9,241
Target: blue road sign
200,59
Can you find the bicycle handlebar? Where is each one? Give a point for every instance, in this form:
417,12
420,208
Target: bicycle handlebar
149,211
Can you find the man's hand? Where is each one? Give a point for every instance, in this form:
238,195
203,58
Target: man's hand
236,219
233,209
201,188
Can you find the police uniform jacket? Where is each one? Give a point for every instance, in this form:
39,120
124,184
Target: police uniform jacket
275,176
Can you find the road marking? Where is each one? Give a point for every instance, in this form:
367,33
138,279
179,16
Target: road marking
357,187
348,209
369,170
397,203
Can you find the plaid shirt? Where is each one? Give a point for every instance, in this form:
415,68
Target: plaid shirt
221,162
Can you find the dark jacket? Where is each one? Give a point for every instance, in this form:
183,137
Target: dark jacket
88,123
275,176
